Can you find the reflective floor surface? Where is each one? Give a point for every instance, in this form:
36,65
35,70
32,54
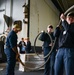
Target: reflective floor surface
17,72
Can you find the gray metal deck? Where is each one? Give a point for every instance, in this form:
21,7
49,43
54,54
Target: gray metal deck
17,72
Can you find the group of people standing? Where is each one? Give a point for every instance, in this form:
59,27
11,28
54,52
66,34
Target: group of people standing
60,60
24,45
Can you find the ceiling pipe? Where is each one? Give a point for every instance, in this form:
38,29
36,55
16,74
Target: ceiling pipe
60,5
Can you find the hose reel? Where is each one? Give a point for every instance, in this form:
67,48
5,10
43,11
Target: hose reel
35,44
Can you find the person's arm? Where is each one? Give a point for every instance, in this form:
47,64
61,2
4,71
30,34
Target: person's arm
13,44
57,32
20,43
24,44
53,38
42,36
65,25
64,22
16,51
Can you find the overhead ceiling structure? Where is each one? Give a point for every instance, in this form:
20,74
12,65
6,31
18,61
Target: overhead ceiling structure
63,5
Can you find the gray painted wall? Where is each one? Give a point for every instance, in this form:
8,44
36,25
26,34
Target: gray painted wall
42,13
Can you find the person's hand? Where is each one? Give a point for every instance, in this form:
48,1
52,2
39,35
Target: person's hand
62,17
51,44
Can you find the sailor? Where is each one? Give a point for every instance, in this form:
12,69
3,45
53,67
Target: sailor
11,49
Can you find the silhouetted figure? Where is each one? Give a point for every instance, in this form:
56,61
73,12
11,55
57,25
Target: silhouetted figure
28,45
22,46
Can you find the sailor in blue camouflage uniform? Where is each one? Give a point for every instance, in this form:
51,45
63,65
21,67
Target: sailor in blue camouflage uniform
11,50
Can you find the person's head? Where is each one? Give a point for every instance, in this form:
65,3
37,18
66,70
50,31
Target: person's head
16,28
49,28
27,39
22,39
70,17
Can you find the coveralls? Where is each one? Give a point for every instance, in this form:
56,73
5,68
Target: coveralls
65,54
28,47
11,42
22,44
49,66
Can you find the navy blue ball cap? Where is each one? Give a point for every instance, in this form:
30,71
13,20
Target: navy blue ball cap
70,14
